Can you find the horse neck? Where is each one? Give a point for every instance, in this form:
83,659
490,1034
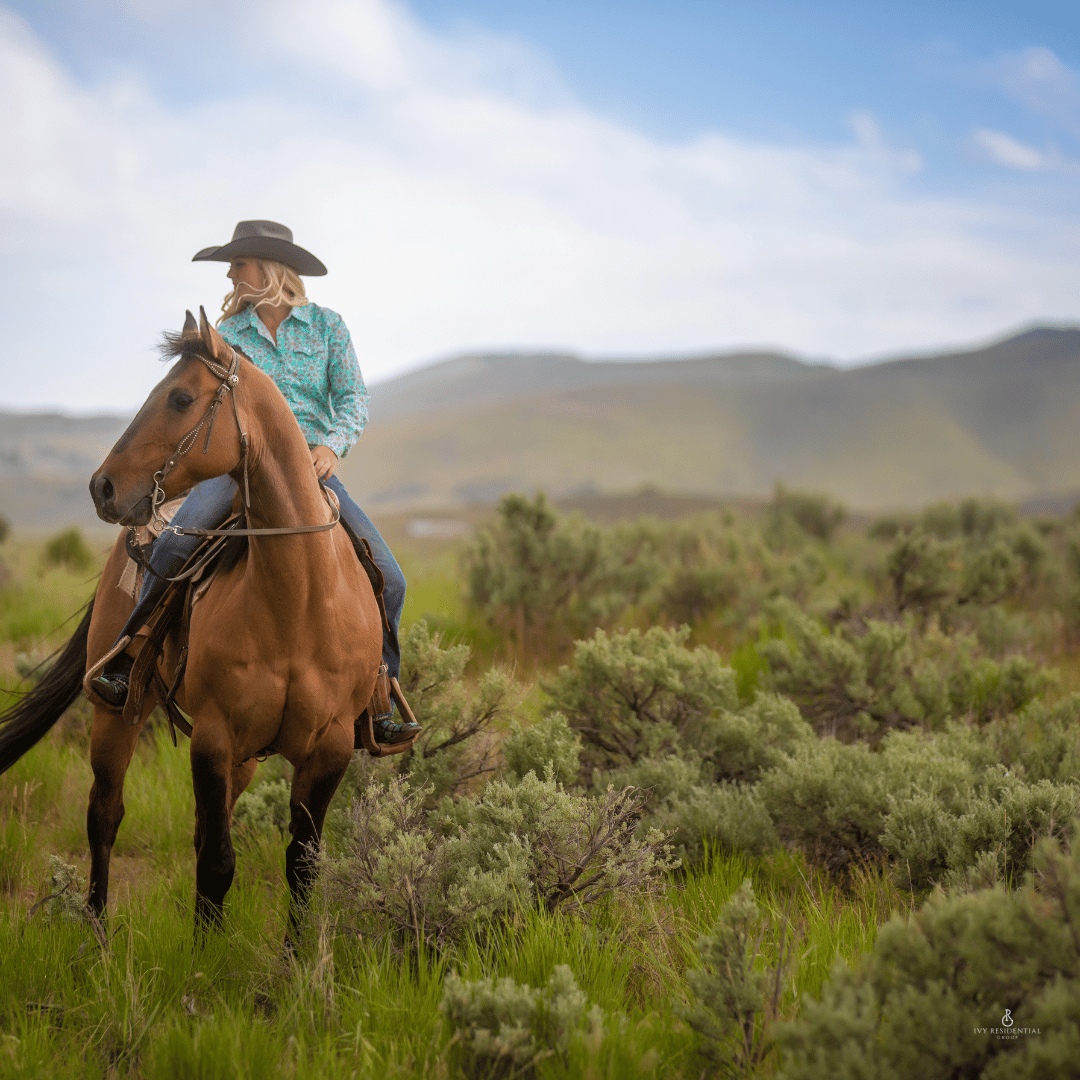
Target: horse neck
283,494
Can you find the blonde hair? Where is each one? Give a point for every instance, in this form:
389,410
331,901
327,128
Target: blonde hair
283,286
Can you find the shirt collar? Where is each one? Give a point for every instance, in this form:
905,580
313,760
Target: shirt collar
250,320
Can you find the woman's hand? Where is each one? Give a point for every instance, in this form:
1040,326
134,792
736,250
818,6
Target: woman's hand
325,461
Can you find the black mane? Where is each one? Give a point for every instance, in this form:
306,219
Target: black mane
175,345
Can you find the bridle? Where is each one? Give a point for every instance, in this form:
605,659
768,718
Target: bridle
230,380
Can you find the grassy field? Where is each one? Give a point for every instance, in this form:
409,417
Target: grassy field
153,1003
141,997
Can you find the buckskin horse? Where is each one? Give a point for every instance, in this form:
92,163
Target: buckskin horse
283,648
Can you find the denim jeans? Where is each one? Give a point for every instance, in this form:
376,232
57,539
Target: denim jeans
208,505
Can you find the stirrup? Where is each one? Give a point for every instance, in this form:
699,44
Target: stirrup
112,689
370,721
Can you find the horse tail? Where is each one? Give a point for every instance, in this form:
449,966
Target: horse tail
26,722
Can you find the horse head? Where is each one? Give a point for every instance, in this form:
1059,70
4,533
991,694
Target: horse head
180,415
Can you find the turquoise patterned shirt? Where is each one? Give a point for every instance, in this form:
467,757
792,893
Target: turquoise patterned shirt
314,366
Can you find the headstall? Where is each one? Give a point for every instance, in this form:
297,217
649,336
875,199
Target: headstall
230,379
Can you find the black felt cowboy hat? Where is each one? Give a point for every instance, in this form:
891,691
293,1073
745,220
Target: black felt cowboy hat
264,240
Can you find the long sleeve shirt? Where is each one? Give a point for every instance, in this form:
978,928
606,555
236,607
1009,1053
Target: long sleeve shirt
314,366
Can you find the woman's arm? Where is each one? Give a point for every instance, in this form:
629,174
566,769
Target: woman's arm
348,394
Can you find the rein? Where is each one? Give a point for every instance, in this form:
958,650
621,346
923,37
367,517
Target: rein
230,380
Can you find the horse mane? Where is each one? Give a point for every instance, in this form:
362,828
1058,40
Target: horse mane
176,345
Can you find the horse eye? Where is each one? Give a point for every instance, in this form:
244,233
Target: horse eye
180,400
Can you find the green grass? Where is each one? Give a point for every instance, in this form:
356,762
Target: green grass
154,1003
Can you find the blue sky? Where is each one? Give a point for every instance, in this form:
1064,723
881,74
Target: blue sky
842,180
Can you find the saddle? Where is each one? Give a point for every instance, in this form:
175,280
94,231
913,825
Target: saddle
172,615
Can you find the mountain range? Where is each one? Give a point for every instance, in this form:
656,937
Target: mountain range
999,419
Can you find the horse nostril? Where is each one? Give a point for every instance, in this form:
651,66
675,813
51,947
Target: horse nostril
102,489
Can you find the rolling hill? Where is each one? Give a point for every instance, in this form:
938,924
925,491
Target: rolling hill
999,419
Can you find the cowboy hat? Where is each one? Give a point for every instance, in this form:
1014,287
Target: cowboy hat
264,240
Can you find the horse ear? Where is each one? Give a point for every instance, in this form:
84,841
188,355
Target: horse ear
214,342
191,327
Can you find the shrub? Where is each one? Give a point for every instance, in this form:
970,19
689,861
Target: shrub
853,684
985,984
456,746
549,744
1009,825
814,514
715,817
1041,742
69,549
264,807
579,849
845,685
67,889
735,994
921,570
690,592
426,880
506,1028
5,528
829,799
399,878
636,694
742,745
531,567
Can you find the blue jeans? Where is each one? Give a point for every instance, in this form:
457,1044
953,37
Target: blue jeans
208,505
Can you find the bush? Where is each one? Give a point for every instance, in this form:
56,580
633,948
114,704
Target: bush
531,568
264,807
922,571
845,685
855,684
5,528
67,890
637,694
69,549
426,880
735,994
456,747
829,799
547,746
984,984
506,1028
579,849
743,745
716,817
400,879
814,514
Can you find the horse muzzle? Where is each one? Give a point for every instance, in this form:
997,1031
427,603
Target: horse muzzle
110,507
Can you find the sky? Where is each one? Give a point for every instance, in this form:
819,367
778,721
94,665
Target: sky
843,181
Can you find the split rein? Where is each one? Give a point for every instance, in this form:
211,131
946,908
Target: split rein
229,382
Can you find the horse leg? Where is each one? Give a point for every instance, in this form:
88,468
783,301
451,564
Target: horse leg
313,786
112,742
212,778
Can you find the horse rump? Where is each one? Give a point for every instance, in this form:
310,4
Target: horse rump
28,721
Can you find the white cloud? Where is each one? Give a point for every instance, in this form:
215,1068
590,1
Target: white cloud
1002,149
1046,85
462,199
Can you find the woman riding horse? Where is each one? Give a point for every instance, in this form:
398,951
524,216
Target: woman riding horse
307,351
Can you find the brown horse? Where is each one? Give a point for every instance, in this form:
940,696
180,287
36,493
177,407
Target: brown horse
284,646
